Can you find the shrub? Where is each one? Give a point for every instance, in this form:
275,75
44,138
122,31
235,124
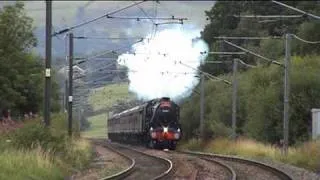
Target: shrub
259,103
34,135
57,148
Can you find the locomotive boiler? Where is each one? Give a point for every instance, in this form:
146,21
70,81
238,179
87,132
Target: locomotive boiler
154,123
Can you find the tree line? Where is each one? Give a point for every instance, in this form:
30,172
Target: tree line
260,93
21,70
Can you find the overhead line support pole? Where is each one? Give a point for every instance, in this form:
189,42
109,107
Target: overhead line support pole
286,113
234,98
202,106
47,91
70,98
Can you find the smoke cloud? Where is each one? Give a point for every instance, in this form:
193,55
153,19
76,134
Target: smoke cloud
157,65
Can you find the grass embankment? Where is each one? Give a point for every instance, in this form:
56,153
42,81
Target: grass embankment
105,98
35,152
98,126
306,155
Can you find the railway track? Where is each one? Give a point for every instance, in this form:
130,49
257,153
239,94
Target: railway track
193,168
122,174
143,166
244,169
231,173
204,168
150,164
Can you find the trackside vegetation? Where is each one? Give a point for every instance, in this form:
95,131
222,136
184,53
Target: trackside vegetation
305,155
42,153
260,114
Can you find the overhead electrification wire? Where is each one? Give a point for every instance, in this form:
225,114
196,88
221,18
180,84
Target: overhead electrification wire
205,73
253,53
104,53
268,16
296,9
305,41
170,22
150,18
249,65
249,38
145,13
103,38
96,19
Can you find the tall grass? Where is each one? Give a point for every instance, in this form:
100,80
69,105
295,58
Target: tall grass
306,155
25,164
42,153
78,153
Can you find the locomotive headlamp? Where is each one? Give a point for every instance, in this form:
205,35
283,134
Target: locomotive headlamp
165,129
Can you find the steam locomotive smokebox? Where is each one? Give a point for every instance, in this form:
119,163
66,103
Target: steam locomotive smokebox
315,123
165,98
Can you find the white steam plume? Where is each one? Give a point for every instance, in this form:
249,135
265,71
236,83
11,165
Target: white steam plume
155,70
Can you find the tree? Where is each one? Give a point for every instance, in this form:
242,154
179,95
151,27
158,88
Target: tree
260,93
21,72
223,22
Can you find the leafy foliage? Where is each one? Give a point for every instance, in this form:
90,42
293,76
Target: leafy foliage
49,152
21,72
224,20
260,91
260,103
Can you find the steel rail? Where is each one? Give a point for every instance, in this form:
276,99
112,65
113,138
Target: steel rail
225,166
281,174
124,172
167,161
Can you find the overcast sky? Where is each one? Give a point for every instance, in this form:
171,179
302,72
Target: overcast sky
65,12
68,13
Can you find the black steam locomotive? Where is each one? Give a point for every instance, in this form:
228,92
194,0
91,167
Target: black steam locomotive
154,123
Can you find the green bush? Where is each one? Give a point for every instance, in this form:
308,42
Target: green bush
259,103
34,135
55,148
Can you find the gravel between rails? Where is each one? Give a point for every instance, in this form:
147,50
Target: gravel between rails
190,167
146,167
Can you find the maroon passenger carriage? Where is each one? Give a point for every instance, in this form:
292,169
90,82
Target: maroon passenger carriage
154,123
